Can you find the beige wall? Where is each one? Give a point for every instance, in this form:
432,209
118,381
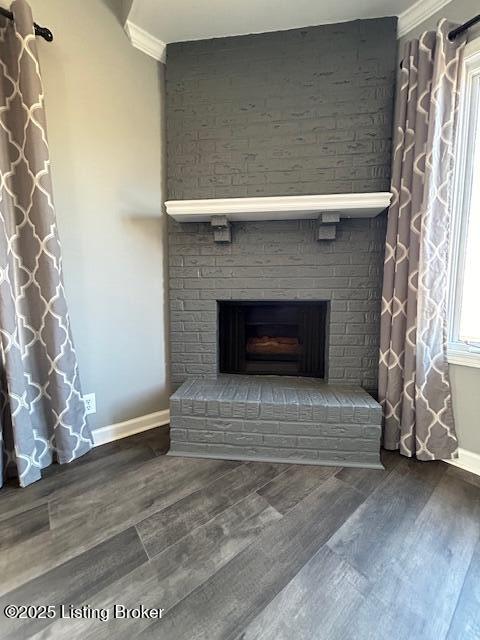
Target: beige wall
465,380
104,113
466,405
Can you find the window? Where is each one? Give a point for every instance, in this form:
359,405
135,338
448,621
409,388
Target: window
464,320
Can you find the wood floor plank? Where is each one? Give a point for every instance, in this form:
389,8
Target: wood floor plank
174,573
311,604
143,491
376,532
89,471
108,519
23,526
461,474
366,480
292,486
157,439
74,581
100,496
325,601
171,524
427,573
241,589
465,624
372,621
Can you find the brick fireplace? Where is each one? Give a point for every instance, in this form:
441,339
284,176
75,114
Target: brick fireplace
278,114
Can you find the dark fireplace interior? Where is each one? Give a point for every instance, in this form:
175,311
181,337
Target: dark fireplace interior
280,338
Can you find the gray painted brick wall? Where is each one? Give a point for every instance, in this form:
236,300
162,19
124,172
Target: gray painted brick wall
278,261
292,112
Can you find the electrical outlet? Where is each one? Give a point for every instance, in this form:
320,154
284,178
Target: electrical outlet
90,403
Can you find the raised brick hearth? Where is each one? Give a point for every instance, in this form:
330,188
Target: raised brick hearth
272,418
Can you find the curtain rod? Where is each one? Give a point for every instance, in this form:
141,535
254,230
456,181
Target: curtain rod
458,30
39,31
463,27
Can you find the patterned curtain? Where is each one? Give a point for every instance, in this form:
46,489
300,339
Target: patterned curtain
414,386
42,412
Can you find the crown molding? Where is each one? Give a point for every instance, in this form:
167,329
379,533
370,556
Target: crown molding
418,13
408,20
147,43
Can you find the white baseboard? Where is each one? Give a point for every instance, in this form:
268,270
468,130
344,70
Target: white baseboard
130,427
467,460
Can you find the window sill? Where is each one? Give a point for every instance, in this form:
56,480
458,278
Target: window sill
462,355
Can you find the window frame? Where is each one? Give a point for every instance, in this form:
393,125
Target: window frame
458,351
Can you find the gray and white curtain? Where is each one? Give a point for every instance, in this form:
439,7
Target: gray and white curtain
42,413
414,386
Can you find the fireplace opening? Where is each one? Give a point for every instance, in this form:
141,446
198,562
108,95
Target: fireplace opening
281,338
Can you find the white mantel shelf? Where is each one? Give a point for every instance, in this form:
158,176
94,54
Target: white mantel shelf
346,205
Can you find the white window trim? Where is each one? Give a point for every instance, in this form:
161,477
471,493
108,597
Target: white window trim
459,352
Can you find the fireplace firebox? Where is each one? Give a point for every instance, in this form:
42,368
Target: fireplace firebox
270,337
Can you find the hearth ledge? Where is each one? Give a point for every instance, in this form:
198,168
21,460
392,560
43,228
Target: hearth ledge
278,460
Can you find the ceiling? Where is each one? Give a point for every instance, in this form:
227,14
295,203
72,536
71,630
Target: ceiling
180,20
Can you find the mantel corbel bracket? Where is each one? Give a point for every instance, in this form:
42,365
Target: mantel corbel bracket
221,229
327,225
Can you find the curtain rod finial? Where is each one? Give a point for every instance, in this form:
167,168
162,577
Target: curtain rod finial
44,32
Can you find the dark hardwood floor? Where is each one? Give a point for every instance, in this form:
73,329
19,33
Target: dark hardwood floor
243,551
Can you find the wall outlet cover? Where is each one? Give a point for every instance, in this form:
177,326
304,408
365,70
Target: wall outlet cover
90,403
